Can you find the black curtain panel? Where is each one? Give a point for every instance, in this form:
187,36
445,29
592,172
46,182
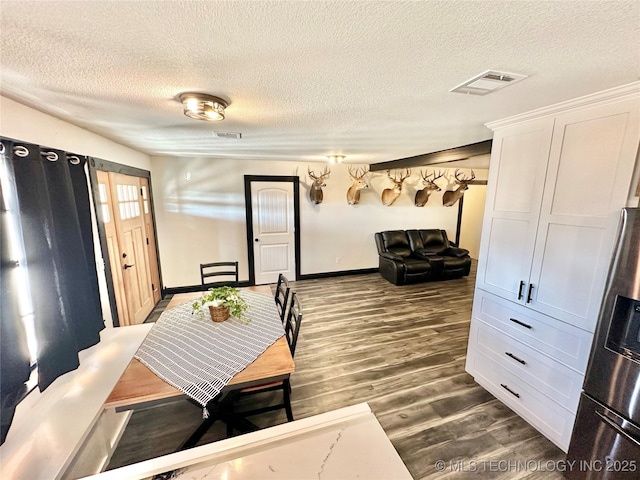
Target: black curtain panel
55,220
14,352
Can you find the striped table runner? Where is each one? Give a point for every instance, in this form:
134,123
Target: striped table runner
198,356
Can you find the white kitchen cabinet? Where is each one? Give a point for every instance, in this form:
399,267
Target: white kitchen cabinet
593,154
519,160
557,181
556,187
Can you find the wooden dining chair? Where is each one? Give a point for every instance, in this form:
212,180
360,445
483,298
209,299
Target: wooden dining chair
219,269
282,296
291,328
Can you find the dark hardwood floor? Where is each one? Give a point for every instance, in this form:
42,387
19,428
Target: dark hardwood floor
402,350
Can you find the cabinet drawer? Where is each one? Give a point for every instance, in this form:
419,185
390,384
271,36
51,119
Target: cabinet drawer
548,417
558,340
552,378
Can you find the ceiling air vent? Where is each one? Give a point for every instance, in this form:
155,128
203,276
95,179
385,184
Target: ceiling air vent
487,82
236,135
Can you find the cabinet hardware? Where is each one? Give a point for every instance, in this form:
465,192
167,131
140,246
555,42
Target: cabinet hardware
521,323
529,293
509,354
517,395
520,290
127,266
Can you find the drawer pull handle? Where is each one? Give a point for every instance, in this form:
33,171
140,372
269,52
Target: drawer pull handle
520,290
517,395
509,354
529,293
520,323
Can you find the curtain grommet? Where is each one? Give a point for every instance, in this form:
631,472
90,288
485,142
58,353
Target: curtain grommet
21,151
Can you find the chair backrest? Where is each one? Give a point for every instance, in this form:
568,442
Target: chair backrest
219,269
292,324
393,241
282,296
431,241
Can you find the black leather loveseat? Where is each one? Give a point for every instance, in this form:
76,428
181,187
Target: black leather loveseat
411,256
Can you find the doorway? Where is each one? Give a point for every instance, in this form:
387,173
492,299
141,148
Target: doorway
273,227
128,236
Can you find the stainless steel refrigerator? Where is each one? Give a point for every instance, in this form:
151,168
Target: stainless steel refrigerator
606,437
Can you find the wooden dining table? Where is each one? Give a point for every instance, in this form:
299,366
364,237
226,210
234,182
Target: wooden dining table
139,386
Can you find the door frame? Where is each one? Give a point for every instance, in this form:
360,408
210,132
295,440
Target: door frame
248,179
96,164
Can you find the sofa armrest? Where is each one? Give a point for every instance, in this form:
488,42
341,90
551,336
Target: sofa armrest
391,256
456,252
424,254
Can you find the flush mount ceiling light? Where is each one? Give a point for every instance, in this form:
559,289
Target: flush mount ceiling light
203,106
336,158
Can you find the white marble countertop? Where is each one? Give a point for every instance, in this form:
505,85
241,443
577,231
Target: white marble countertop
348,443
50,427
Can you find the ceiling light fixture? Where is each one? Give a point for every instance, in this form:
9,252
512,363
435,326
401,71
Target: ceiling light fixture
203,106
336,158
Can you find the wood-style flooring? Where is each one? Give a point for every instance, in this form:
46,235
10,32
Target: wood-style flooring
402,350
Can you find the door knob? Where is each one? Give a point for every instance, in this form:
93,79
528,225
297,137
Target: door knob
256,239
127,266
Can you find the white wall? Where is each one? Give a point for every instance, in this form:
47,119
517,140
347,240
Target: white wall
472,214
200,214
28,125
202,219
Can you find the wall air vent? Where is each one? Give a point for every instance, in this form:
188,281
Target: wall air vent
236,135
487,82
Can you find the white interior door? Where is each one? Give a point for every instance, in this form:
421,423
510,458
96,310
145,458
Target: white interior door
273,231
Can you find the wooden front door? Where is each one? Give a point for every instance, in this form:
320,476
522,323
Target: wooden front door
126,213
151,240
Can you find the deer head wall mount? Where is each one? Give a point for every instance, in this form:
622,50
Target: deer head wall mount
452,196
429,182
390,195
357,177
315,193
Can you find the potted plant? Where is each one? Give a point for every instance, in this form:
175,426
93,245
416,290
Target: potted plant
222,302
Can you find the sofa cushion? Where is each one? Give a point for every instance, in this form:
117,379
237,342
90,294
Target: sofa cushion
416,265
434,241
395,241
456,252
454,263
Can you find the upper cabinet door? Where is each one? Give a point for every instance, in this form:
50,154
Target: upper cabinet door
591,164
516,180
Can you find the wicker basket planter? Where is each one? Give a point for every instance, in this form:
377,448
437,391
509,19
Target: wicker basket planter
222,302
218,314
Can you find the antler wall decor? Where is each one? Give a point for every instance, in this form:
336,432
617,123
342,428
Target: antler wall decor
428,180
315,193
390,195
357,177
450,197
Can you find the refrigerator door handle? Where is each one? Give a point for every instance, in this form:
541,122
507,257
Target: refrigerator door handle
620,430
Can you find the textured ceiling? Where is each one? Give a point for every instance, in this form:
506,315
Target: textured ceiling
366,79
